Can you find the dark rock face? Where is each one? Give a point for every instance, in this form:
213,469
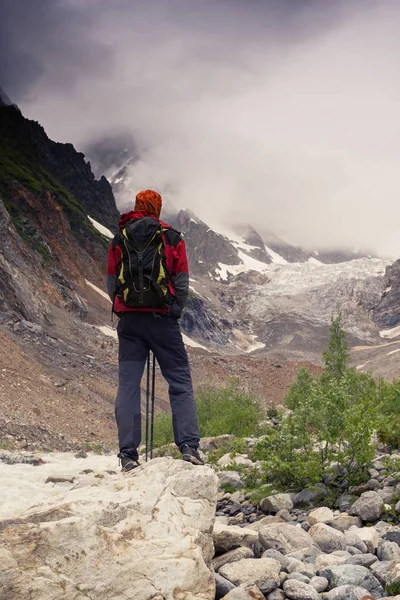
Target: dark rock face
62,161
198,320
205,247
387,312
251,237
290,253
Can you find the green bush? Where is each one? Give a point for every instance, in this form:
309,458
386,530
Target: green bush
388,426
226,410
327,434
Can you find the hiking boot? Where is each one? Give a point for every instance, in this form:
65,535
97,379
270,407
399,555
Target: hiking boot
127,462
190,454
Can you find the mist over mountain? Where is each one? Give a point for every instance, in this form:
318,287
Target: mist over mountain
282,113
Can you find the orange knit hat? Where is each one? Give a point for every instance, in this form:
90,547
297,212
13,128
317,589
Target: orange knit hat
149,201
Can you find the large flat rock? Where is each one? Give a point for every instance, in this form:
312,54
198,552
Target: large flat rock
115,537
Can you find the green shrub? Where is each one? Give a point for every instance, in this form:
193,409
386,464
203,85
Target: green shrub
226,410
327,435
393,587
388,426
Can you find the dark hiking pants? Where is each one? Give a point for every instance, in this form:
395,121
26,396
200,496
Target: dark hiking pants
138,333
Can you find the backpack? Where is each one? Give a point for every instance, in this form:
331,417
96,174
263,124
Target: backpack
142,278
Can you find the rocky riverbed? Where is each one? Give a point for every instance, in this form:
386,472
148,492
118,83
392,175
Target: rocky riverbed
62,514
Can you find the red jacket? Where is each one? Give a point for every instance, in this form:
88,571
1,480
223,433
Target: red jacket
176,263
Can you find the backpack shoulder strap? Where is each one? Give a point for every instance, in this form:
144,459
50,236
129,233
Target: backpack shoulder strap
172,237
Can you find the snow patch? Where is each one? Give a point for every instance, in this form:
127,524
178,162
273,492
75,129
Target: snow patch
390,333
189,342
314,261
276,258
101,228
98,290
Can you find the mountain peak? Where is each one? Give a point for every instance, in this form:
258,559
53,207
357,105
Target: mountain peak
5,100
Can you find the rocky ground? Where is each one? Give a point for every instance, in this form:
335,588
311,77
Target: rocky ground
277,547
58,382
300,547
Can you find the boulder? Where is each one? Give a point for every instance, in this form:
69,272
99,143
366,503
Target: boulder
229,537
327,538
348,592
368,507
389,551
245,592
320,515
275,503
310,497
296,590
263,572
231,479
222,586
369,536
352,575
319,583
232,556
284,537
135,536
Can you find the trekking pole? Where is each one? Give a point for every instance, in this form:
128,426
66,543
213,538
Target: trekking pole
147,404
153,392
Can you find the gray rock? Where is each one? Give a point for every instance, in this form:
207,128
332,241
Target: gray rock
344,521
298,577
227,538
352,575
385,571
310,497
232,556
319,583
237,497
352,550
345,502
263,572
392,536
364,560
276,595
352,539
387,494
327,538
222,586
370,536
284,515
230,478
284,537
282,560
346,592
373,484
388,551
275,503
320,515
368,507
296,590
245,592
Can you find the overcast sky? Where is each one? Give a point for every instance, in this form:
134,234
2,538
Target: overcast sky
280,113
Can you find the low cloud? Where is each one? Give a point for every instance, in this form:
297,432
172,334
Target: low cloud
281,114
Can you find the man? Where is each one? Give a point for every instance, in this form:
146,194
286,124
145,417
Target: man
148,282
